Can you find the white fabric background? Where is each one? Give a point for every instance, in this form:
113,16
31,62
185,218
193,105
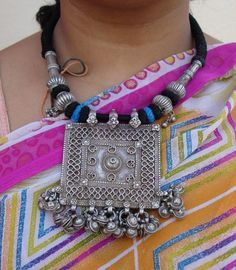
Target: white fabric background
217,17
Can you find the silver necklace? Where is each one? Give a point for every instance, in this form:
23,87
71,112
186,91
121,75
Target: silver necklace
110,171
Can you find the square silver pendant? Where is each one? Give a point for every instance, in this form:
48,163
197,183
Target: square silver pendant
111,167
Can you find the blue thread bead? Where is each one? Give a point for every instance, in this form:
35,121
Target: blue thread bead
150,114
76,113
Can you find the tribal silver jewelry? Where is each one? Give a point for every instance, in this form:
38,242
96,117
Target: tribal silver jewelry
110,177
111,171
111,163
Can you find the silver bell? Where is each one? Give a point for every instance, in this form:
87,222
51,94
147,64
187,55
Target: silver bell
79,222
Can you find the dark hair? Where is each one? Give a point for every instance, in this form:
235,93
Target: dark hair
47,17
46,13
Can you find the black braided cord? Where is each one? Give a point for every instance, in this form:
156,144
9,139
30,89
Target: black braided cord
48,17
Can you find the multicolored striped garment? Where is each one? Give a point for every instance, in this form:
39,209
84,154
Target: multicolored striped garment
199,151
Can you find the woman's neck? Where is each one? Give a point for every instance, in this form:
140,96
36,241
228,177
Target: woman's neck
121,35
153,29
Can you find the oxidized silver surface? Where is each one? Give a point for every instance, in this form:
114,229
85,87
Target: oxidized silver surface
110,178
121,165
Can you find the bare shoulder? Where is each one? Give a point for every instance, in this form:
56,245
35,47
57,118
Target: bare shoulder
23,75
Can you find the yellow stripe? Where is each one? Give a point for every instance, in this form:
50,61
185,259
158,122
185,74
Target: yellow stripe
217,260
197,243
31,248
12,232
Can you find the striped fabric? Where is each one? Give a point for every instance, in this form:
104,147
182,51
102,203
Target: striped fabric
198,151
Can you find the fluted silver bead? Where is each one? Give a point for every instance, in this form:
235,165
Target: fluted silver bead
164,103
55,81
190,72
63,100
196,65
177,88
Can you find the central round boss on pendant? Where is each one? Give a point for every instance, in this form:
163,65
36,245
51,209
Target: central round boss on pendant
112,162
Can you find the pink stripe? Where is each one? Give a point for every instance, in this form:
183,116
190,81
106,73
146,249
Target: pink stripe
219,61
43,151
230,266
30,157
230,119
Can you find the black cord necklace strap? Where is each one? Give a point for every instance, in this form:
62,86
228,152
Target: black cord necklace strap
162,104
200,41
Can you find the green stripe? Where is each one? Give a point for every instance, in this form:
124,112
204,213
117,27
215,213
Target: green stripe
70,251
181,147
31,248
197,243
217,260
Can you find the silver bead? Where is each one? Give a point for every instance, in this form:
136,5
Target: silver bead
63,100
151,227
111,227
135,121
66,222
92,118
177,88
113,119
163,212
180,213
55,81
53,66
190,72
118,233
164,103
58,219
132,221
52,112
50,54
196,65
93,226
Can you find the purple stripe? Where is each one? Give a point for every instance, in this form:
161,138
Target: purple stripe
213,249
189,233
230,266
54,249
88,252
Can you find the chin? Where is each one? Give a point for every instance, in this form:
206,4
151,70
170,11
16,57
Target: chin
116,3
